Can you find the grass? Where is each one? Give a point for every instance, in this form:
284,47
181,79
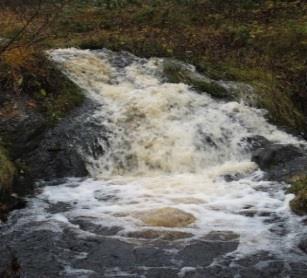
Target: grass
263,43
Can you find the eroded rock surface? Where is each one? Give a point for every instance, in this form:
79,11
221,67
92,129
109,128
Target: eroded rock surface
68,253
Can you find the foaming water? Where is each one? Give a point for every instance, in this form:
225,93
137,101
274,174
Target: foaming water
169,147
158,126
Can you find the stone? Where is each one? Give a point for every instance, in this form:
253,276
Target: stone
281,162
275,154
167,217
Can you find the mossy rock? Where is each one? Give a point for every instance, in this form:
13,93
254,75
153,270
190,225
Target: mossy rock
298,184
7,172
57,94
299,203
176,72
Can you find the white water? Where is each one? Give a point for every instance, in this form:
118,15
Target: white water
170,147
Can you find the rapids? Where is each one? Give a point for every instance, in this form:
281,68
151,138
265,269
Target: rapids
174,161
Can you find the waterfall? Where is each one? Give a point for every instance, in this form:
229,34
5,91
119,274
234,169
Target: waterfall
170,147
160,127
174,162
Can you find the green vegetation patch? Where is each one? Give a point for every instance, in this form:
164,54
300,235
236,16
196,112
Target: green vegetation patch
7,171
176,72
299,203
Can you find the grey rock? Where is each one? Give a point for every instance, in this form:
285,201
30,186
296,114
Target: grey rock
281,162
63,150
303,244
202,253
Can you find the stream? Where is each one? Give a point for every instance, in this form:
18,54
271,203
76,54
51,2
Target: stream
172,191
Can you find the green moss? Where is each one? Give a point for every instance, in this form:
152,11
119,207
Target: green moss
298,185
299,203
176,72
211,88
7,171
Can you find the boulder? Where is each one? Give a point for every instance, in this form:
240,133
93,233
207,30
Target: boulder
281,162
167,217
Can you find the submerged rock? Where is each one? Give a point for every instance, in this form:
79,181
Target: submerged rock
165,235
167,217
221,236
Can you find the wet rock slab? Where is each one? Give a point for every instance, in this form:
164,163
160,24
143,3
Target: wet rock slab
60,254
72,254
